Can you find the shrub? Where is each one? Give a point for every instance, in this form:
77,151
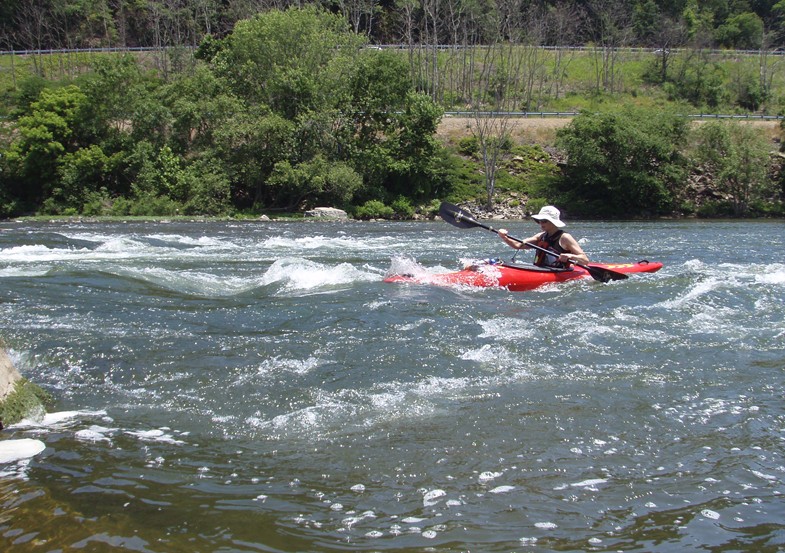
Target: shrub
403,208
374,209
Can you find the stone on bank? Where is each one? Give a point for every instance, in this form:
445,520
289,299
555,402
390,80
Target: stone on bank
19,398
327,213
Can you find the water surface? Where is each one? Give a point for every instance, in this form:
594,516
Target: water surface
232,386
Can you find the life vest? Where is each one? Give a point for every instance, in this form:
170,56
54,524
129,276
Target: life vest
550,243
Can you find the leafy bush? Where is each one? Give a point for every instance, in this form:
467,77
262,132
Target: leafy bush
715,209
403,208
469,146
622,162
374,209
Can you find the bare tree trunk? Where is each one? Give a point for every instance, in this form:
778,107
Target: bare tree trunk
492,124
564,25
407,22
768,65
613,33
431,39
32,23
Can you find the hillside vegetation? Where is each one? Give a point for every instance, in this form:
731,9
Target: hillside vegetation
292,109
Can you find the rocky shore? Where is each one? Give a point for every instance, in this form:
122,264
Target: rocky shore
19,398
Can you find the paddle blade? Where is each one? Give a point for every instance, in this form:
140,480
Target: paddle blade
456,216
604,275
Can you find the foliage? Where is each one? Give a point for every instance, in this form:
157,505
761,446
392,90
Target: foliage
736,157
49,131
403,208
26,399
742,31
293,61
309,183
374,209
275,119
621,163
290,109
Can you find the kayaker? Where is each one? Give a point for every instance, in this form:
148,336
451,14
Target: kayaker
565,248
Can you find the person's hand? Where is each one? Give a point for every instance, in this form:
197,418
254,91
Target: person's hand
567,258
503,232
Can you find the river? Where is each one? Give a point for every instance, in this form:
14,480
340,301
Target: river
256,386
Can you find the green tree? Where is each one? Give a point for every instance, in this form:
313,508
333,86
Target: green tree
622,162
741,31
736,158
250,145
81,174
115,88
293,61
391,128
199,103
314,182
50,131
646,18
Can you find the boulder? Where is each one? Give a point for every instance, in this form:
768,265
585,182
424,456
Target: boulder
327,213
8,375
19,398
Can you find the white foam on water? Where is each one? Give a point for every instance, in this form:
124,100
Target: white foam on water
159,435
764,476
432,497
508,329
314,420
591,483
12,451
349,410
202,241
482,354
277,365
775,275
487,476
546,525
298,275
501,489
95,434
191,282
320,242
36,253
21,272
400,265
57,420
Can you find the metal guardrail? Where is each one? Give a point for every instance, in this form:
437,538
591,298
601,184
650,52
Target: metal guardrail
106,50
568,114
633,49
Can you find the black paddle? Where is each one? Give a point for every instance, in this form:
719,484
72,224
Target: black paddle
463,219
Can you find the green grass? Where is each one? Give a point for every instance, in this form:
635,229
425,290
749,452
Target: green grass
578,90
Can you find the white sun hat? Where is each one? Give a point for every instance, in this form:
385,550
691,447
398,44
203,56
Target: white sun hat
549,213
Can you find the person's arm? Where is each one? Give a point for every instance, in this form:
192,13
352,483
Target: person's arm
516,244
574,253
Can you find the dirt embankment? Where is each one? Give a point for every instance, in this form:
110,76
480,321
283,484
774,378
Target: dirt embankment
542,130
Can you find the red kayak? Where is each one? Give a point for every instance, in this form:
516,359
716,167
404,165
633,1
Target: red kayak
519,278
